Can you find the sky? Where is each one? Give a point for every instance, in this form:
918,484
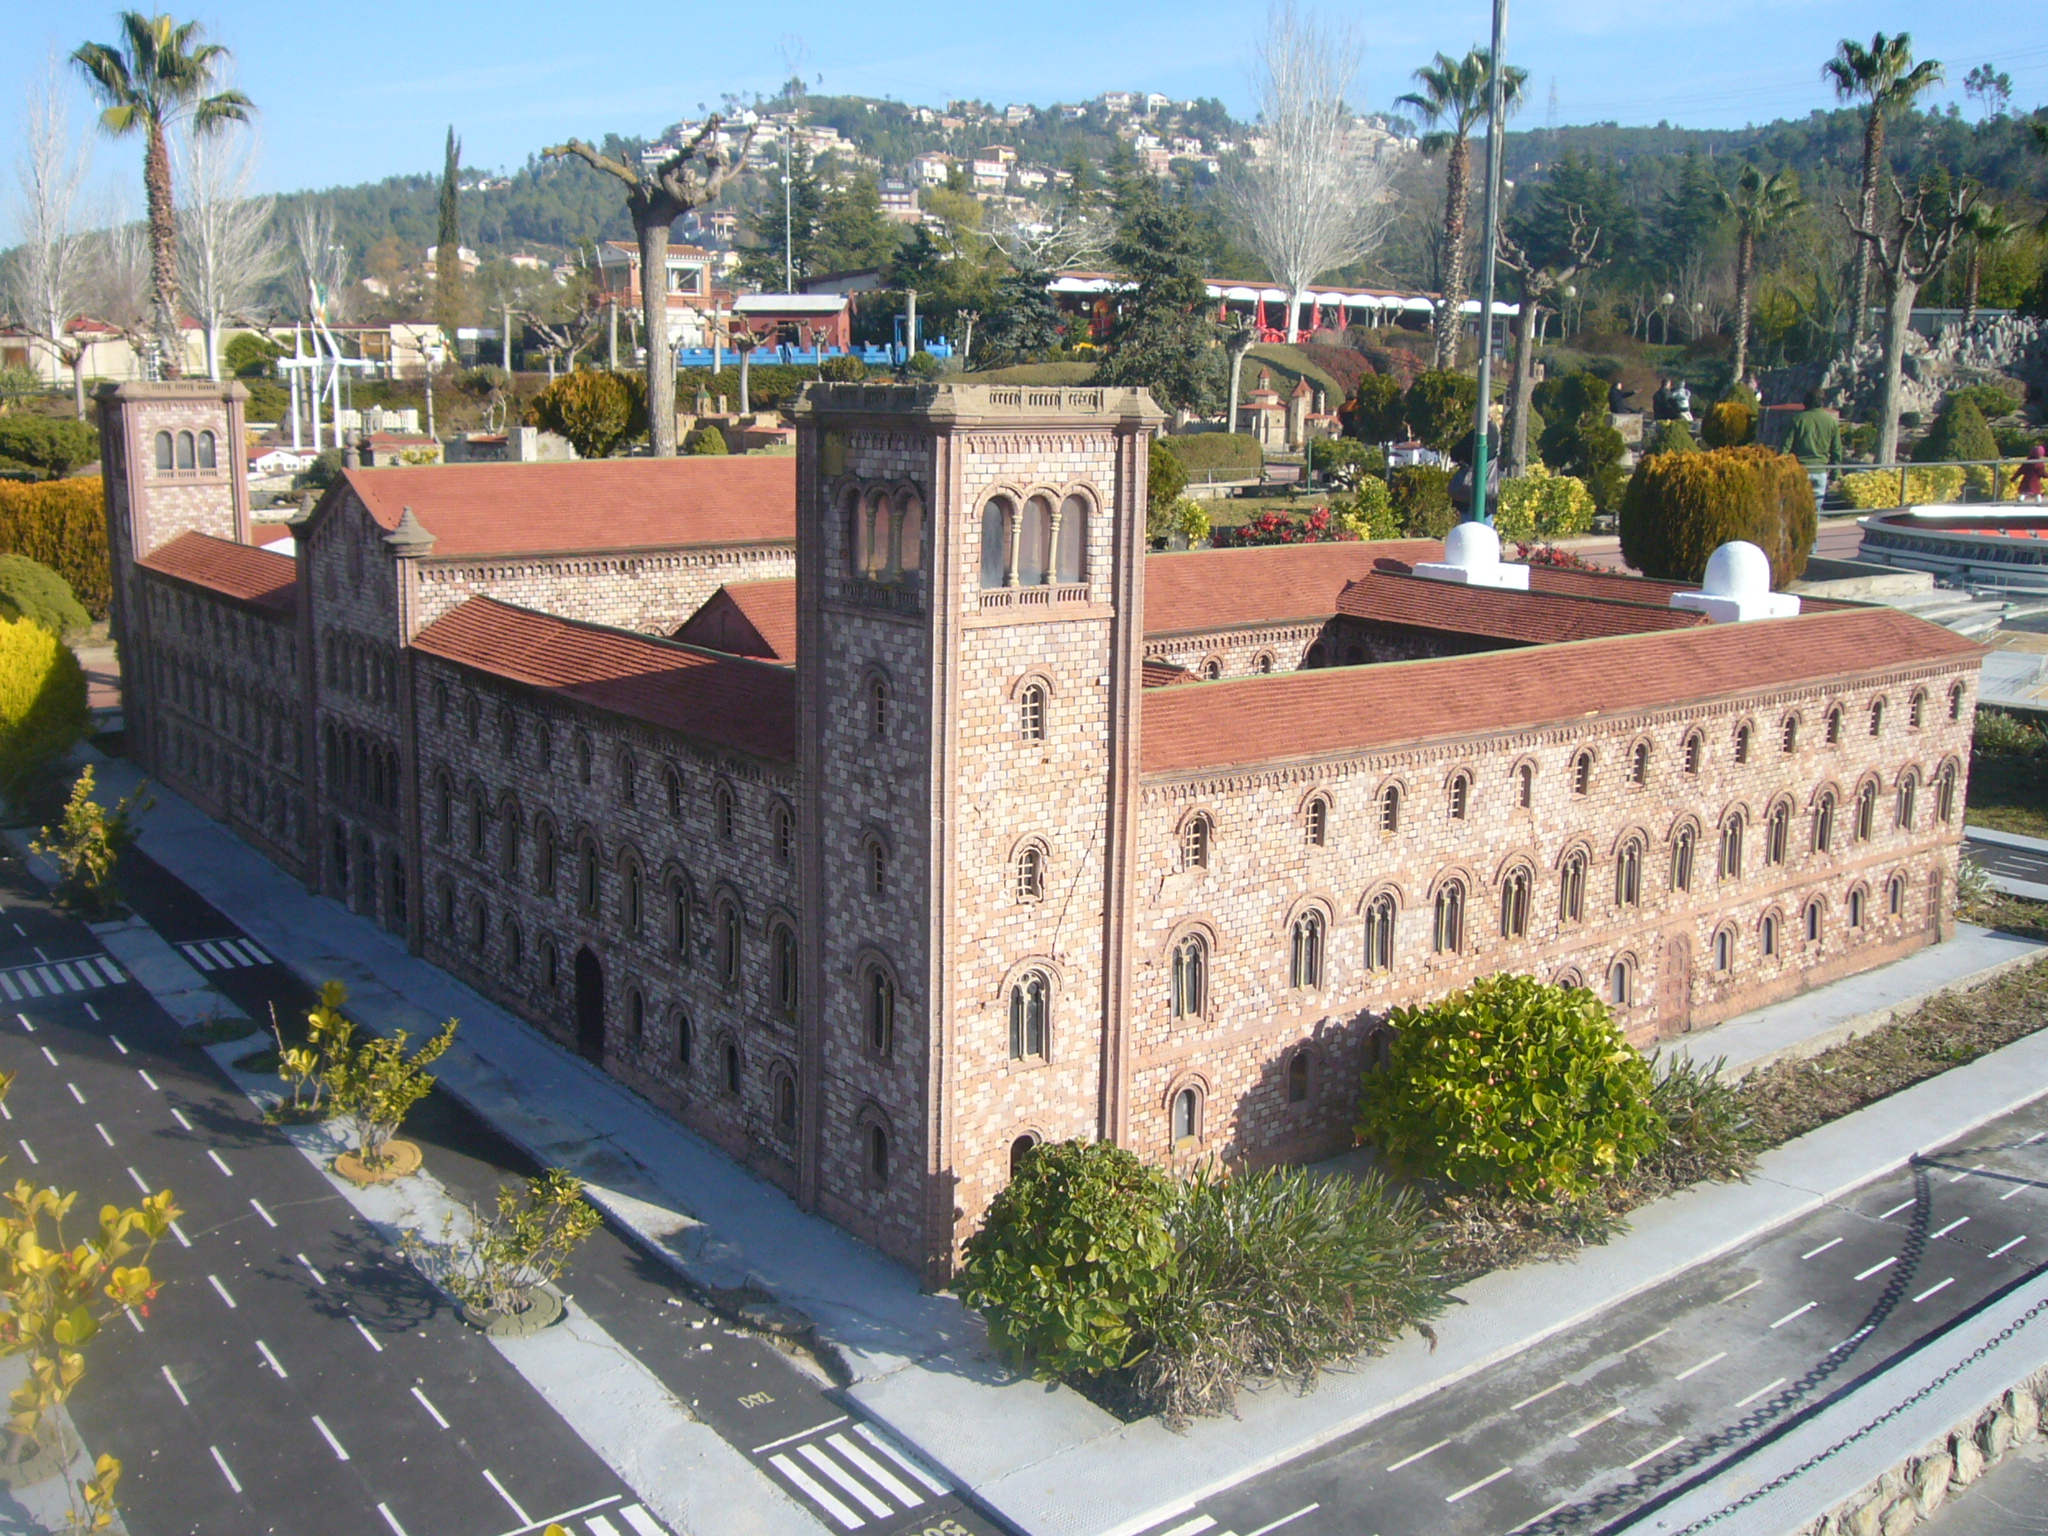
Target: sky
366,90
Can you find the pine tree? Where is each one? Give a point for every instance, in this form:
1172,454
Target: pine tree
448,254
1163,340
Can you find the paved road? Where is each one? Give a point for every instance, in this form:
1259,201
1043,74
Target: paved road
2003,861
296,1375
1595,1427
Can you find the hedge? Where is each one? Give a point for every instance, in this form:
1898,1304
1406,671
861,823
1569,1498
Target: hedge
1680,507
31,590
62,524
46,447
1542,505
1870,489
1201,452
42,702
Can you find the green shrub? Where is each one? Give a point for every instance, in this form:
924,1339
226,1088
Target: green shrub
707,439
1870,489
1368,512
321,473
1073,1248
841,370
770,386
42,702
50,446
592,408
31,590
1345,461
1681,507
63,525
1281,1272
1166,478
1542,505
1999,733
1672,437
1729,424
1992,400
1375,412
1512,1084
1959,432
247,355
1184,516
1579,438
1440,407
1421,497
268,401
1228,454
1708,1131
482,381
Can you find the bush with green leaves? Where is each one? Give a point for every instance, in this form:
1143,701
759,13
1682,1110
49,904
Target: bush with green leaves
62,524
1728,424
2000,733
592,408
1959,433
1681,507
1421,498
1542,505
1440,407
1345,462
1368,511
1871,489
86,845
1579,438
1166,479
46,447
1070,1255
1993,400
1184,517
844,369
706,440
42,702
31,590
1376,411
247,355
1672,437
1709,1135
1512,1084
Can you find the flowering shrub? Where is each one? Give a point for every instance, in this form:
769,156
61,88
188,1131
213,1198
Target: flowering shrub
1273,526
1551,555
1543,505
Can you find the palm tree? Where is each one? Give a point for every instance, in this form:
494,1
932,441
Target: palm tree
1986,228
1454,92
1760,205
160,74
1886,78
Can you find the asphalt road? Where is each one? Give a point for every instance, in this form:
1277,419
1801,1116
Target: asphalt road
295,1374
1594,1428
2006,862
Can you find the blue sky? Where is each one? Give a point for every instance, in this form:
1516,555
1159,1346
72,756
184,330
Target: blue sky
355,92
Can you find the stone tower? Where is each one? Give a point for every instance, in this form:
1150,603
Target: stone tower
969,570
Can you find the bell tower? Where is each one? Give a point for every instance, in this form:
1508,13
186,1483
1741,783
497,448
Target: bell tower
969,589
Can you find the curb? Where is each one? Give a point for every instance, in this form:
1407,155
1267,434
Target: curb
2004,839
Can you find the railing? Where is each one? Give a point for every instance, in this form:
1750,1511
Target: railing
2003,475
902,596
1033,597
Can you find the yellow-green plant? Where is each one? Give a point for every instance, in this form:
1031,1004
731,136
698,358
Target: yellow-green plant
42,702
525,1242
1871,489
87,845
1542,504
371,1083
1368,512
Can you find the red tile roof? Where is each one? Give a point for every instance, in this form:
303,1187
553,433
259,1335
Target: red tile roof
601,504
749,706
1201,589
234,570
1244,721
1164,674
747,618
1528,618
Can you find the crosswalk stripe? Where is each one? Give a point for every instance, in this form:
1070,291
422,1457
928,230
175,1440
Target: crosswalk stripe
219,959
198,957
28,983
599,1526
818,1494
642,1522
59,978
907,1463
844,1479
70,977
7,983
49,981
257,956
113,971
875,1472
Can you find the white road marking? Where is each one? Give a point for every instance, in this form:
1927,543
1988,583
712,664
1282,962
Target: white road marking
2017,1189
5,1112
1859,1333
391,1520
1306,1509
432,1411
1796,1312
1888,1215
856,1489
134,1321
340,1453
1966,1173
1612,1413
2034,1138
103,1133
179,1233
224,1296
75,1093
1944,1232
183,1400
1744,1291
140,1183
1410,1460
1190,1527
309,1268
500,1487
371,1339
2004,1246
178,1115
1694,1370
118,1045
71,980
225,1471
599,1526
268,1219
1653,1455
1823,1248
1759,1392
271,1360
31,1151
113,974
816,1491
776,1445
1452,1498
908,1463
91,1011
1555,1386
1942,1286
25,1023
1884,1264
1539,1519
642,1522
49,1057
149,1080
1639,1343
875,1472
49,981
219,1163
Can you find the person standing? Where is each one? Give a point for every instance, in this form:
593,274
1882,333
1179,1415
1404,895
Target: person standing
1815,440
2032,472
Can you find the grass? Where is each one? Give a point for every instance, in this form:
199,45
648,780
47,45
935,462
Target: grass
1286,364
218,1031
1036,373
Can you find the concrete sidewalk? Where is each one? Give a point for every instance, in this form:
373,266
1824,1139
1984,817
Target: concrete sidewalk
1038,1455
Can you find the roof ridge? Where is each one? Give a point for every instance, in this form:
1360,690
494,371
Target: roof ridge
1518,592
662,642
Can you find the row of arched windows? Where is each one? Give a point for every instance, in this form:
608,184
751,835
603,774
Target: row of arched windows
362,669
361,771
220,626
261,719
186,450
1037,543
884,531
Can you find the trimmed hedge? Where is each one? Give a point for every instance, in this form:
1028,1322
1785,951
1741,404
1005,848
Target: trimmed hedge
1681,507
1729,424
46,447
1542,505
42,702
1376,411
31,590
1870,489
595,410
1202,452
62,524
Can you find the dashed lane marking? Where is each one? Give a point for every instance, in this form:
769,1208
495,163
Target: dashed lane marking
1744,1291
2006,1247
49,1056
391,1520
1888,1215
1539,1519
1795,1312
1694,1370
499,1488
271,1360
60,978
1816,1252
268,1219
1944,1232
1639,1343
31,1151
140,1182
1267,1530
25,1023
117,1041
1537,1397
225,1470
224,954
432,1412
1936,1288
179,1233
178,1115
1407,1461
340,1452
1770,1386
1884,1264
1612,1413
75,1094
1966,1173
1653,1455
2017,1189
220,1162
149,1080
1470,1488
178,1391
224,1296
109,1140
370,1339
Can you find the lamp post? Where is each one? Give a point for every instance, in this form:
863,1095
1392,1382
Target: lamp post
1483,432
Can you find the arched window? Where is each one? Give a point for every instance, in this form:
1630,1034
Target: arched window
1916,709
207,458
1187,1116
786,986
1263,663
1030,999
1621,983
860,533
1812,922
631,903
544,856
683,1038
1031,712
1072,565
722,811
1724,949
878,867
1450,918
1945,793
1628,873
1212,668
1031,873
783,826
1742,734
589,878
1460,796
550,965
1955,701
1833,726
582,758
1824,822
1190,977
1877,716
1194,842
996,518
672,785
785,1104
1866,811
1639,764
629,779
479,821
1582,773
479,925
1731,847
1695,750
1305,956
188,457
1317,824
1571,888
1767,935
1525,786
881,1011
1390,808
636,1017
1683,848
515,946
163,450
1297,1078
909,531
878,1155
1856,907
878,709
732,1067
444,793
508,837
1514,904
679,920
1788,735
1895,896
729,944
1379,933
1778,834
1034,543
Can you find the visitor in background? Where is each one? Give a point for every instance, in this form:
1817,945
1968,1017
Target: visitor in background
1815,440
2032,472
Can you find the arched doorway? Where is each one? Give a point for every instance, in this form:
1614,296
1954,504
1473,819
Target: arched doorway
589,1006
1675,985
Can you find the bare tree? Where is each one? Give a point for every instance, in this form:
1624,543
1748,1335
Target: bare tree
319,262
1311,200
121,285
226,253
656,198
1907,249
1544,285
1239,334
48,276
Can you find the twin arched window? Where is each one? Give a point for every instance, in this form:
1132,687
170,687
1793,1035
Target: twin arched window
1628,874
1190,977
886,536
1030,1003
1909,792
187,450
1035,545
1305,957
1778,833
1514,904
1866,811
1571,888
1449,937
1379,933
1731,847
1683,847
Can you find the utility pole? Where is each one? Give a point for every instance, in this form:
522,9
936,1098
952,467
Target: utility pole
788,221
506,342
1482,441
611,338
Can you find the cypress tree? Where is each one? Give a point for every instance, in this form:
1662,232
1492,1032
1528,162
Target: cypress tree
447,255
